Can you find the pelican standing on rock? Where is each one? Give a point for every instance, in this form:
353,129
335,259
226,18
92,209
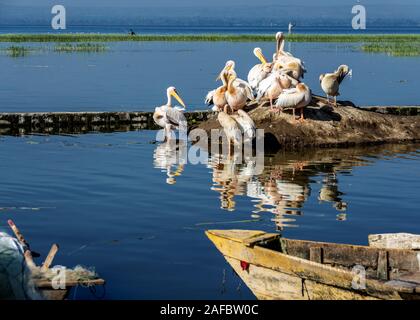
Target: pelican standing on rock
230,68
272,86
238,93
235,125
217,97
246,124
287,60
330,82
169,117
296,98
231,129
260,71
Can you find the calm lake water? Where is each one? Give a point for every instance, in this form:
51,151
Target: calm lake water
121,203
134,76
141,29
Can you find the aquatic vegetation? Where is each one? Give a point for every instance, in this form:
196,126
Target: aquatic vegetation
96,37
393,44
17,51
80,47
397,49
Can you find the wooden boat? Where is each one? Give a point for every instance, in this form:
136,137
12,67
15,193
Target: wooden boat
40,277
277,268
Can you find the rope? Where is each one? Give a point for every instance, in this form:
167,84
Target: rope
305,288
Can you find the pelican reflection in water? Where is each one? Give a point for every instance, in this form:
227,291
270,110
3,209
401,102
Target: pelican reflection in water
231,176
170,157
285,185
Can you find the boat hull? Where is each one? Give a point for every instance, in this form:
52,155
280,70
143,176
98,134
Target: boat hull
274,275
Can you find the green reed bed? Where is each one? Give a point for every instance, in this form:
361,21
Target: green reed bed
402,49
392,44
75,37
80,47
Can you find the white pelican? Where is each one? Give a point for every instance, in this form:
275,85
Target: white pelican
246,124
272,86
231,129
217,97
260,71
280,47
238,92
169,117
287,60
230,68
330,82
297,98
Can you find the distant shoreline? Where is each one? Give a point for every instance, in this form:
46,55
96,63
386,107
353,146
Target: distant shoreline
97,37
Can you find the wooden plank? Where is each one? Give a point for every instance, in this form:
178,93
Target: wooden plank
382,270
395,241
244,236
17,233
350,255
50,257
315,254
71,283
29,260
413,277
27,253
263,238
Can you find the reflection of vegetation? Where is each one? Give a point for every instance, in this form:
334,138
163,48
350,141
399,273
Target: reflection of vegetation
74,37
397,49
80,47
17,51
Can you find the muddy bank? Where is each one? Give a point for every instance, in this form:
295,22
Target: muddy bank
344,125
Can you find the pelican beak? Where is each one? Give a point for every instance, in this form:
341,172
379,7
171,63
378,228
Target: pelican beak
225,69
178,98
261,57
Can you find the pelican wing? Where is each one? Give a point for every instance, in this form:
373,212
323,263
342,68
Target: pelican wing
230,127
246,87
342,75
159,116
264,86
246,124
290,98
176,117
292,80
254,75
209,97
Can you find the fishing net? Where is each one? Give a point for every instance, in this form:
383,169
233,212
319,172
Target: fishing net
14,275
18,282
78,274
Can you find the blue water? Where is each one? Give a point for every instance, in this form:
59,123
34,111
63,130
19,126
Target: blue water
135,75
106,200
142,29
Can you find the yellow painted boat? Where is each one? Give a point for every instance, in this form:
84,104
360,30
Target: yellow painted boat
276,268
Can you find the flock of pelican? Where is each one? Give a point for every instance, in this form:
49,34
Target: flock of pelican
278,82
